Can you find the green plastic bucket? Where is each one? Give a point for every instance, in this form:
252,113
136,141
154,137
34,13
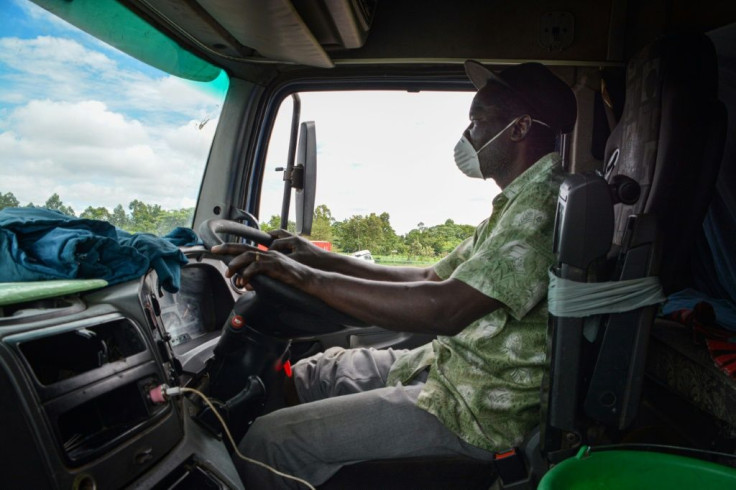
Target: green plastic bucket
633,470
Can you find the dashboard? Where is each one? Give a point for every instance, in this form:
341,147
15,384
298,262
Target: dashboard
75,377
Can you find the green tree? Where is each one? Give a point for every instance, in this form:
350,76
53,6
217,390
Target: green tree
438,240
174,218
144,217
8,200
372,232
54,202
415,249
322,224
100,213
118,218
274,223
148,218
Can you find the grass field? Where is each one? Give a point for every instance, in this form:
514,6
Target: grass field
403,260
399,260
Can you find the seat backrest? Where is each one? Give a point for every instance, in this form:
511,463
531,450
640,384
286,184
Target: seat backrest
669,141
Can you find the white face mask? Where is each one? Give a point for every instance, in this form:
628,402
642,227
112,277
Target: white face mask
466,158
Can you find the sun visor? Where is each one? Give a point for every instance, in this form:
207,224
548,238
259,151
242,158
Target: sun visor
273,28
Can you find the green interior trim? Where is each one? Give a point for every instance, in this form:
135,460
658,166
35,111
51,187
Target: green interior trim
114,24
20,292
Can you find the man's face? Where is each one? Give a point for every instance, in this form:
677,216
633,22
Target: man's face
486,121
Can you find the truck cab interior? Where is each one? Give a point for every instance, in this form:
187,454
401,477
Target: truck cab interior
650,193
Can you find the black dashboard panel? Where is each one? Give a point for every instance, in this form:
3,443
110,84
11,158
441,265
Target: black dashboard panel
76,373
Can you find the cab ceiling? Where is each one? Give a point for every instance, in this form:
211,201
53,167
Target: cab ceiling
249,36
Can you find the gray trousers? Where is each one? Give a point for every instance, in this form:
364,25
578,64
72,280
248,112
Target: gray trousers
347,415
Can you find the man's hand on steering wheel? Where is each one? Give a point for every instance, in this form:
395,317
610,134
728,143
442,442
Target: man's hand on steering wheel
297,248
250,261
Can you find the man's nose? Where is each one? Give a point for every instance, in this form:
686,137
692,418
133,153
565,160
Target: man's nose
466,133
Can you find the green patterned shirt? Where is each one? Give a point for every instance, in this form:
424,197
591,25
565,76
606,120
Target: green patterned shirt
484,383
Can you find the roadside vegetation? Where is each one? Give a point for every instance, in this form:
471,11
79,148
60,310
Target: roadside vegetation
422,245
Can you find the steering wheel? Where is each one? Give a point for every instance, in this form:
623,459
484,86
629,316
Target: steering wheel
325,319
210,230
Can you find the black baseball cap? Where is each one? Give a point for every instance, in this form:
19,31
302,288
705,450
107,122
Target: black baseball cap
549,98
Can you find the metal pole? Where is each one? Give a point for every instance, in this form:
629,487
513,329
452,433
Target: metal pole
286,202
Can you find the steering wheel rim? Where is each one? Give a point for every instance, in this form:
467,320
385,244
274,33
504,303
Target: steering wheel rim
210,229
269,289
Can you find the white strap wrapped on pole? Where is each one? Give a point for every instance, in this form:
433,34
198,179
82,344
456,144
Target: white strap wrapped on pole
574,299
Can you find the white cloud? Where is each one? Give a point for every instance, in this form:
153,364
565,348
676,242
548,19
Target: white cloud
39,15
52,58
54,68
87,123
169,94
90,155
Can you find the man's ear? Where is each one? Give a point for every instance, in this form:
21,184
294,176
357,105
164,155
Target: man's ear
521,128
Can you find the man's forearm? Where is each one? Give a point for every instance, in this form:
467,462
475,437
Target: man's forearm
442,308
349,266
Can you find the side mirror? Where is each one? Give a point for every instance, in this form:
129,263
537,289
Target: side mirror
304,177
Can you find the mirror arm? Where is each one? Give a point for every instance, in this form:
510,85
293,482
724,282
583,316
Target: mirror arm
288,171
297,177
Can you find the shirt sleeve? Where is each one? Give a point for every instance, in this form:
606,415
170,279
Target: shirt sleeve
462,252
510,263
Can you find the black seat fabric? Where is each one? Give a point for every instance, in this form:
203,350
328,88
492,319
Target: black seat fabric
679,360
715,266
670,140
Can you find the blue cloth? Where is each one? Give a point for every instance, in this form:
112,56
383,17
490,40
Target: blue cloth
38,244
183,237
687,299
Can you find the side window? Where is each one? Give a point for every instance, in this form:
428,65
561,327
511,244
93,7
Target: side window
386,179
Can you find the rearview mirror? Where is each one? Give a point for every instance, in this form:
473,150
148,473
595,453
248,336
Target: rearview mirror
304,177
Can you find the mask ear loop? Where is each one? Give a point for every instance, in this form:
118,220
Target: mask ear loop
507,127
497,135
541,123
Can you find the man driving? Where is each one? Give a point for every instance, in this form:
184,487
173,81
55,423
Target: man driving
474,389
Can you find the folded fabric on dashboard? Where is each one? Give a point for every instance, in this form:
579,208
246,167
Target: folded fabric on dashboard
38,244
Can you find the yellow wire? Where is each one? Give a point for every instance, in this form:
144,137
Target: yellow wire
235,446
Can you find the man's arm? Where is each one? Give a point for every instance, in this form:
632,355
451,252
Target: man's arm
307,253
426,306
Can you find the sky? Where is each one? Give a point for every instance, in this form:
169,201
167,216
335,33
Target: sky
99,128
95,126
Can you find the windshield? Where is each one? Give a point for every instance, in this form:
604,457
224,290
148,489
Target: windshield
92,132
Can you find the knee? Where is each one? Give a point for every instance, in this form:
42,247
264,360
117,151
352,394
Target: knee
271,437
260,434
260,444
